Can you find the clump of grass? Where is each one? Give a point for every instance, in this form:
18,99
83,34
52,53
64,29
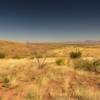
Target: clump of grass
82,64
96,64
32,96
6,82
81,94
60,62
76,53
87,65
2,55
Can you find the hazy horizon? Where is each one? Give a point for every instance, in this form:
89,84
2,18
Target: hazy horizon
49,20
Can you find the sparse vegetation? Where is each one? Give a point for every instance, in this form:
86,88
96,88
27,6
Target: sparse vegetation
57,80
2,55
32,96
76,53
17,57
96,64
5,81
37,55
81,94
87,65
60,61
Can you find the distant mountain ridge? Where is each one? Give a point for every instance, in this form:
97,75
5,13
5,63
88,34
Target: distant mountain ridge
67,42
84,42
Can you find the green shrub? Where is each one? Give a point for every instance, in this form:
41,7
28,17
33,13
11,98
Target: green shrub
60,62
75,54
2,55
88,65
83,64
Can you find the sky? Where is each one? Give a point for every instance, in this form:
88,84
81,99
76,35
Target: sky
49,20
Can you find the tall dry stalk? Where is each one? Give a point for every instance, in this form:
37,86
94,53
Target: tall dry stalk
39,55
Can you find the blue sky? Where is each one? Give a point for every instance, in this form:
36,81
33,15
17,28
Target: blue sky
49,20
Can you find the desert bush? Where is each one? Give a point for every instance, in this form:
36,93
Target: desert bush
5,81
60,62
88,65
2,55
82,64
96,64
76,53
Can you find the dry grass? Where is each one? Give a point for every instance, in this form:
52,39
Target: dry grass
21,50
21,79
52,82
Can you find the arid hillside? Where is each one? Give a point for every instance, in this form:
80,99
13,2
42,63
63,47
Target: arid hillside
22,79
22,50
49,71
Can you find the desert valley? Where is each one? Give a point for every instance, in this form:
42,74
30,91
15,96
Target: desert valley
49,71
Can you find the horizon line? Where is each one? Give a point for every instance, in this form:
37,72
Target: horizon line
69,41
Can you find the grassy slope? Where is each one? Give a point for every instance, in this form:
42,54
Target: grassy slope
20,79
52,82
